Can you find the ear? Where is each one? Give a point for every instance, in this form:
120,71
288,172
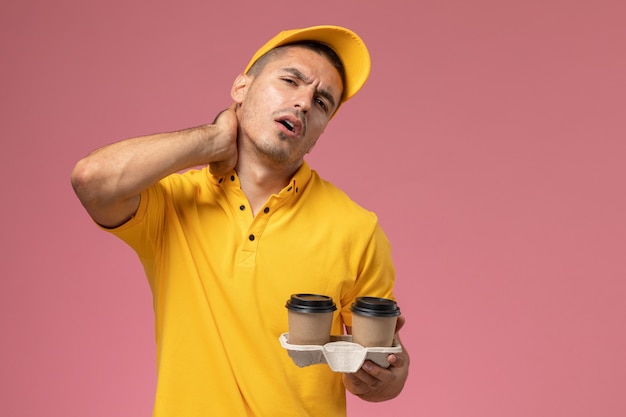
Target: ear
240,86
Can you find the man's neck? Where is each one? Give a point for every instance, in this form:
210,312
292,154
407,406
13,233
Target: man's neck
259,182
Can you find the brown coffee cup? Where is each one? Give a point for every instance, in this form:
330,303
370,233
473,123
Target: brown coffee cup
374,321
310,318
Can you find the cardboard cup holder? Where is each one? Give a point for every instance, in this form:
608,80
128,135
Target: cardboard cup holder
341,354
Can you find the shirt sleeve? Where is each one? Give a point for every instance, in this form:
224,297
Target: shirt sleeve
376,275
143,231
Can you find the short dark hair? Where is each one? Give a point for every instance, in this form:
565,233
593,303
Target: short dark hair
318,47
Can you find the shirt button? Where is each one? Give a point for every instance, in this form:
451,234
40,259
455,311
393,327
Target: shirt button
242,207
251,237
266,210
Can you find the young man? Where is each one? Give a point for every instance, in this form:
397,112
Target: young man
225,246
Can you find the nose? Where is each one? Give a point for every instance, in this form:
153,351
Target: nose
302,100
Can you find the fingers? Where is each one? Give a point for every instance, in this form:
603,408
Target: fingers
230,108
361,383
371,382
395,360
366,380
223,151
373,375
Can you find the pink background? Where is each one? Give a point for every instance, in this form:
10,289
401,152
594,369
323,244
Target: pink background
490,140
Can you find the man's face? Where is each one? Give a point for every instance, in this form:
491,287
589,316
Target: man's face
286,107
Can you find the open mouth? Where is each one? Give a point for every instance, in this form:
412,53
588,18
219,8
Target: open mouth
292,124
289,125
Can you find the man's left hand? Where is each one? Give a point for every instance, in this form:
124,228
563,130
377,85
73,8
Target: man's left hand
374,383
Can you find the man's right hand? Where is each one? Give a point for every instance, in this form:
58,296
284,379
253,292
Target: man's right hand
225,142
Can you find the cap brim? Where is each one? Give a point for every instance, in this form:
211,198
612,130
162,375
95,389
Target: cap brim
347,45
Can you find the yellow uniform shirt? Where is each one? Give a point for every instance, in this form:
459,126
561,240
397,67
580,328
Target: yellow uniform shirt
220,278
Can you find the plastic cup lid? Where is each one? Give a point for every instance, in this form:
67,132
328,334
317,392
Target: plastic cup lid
375,307
311,303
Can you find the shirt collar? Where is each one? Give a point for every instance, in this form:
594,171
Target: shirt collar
296,185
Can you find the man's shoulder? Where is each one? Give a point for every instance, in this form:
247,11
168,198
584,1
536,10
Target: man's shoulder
336,200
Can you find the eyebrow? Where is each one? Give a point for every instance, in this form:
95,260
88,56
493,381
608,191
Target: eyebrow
322,92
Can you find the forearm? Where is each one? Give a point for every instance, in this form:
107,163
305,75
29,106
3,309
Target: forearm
109,180
126,168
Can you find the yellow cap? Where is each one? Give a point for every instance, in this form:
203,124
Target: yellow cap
347,45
